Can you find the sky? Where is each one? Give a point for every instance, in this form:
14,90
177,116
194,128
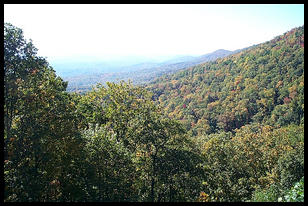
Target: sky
63,31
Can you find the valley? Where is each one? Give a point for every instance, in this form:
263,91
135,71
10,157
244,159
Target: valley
82,77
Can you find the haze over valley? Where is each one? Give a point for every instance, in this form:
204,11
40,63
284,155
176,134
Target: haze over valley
83,75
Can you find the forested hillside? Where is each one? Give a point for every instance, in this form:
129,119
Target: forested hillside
228,130
264,84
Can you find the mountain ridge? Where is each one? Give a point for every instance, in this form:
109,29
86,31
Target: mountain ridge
141,73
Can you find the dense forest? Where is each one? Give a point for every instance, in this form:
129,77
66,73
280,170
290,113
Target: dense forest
264,84
230,130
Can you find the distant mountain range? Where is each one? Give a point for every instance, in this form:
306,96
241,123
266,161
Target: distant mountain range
83,75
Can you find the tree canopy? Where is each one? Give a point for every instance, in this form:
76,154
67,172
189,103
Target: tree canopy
227,130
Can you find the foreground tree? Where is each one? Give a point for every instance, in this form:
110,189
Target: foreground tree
160,152
42,144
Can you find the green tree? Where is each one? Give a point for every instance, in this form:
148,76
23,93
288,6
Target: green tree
42,143
135,122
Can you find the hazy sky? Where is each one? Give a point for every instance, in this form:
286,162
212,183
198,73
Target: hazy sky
107,30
